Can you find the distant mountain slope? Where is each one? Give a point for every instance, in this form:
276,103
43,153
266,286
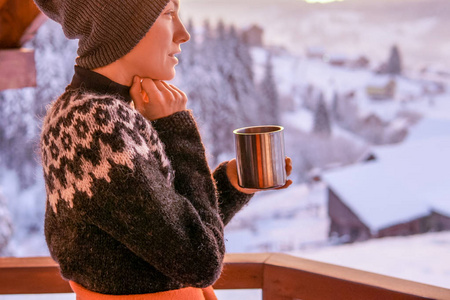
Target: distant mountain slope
350,27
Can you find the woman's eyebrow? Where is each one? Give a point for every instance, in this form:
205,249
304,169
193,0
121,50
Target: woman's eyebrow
176,3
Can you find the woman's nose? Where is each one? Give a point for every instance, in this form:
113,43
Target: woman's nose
181,35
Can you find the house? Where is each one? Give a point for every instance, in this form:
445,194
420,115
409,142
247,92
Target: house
315,52
337,60
403,191
253,36
381,88
360,62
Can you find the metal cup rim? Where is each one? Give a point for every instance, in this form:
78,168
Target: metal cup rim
278,129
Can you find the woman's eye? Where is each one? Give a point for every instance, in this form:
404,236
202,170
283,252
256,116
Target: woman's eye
171,13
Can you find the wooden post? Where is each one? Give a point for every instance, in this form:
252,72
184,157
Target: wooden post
17,69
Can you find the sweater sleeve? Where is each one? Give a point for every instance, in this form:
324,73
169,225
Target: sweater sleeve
230,199
168,218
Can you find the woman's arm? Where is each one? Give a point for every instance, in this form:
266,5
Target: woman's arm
155,100
231,200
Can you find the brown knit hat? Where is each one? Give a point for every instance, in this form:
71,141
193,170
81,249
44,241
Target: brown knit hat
106,29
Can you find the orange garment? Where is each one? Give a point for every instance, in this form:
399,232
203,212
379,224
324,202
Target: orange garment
189,293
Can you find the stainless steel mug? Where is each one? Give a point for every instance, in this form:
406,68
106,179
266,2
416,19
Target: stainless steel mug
260,156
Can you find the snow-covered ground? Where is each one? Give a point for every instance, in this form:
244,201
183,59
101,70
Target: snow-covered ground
281,221
424,258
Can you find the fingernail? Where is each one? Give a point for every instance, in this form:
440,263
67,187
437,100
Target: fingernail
144,96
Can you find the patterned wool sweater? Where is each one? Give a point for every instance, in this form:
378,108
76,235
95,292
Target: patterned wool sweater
132,206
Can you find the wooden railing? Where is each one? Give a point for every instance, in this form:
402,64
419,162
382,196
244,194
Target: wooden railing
280,276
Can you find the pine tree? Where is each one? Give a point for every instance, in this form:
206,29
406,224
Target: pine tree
5,224
271,104
209,94
241,78
322,124
220,87
394,64
335,107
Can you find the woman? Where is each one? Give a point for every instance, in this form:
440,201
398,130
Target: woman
132,207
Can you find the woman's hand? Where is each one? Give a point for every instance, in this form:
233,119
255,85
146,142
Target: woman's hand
156,99
232,176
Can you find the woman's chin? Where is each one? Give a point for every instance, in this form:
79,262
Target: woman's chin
169,76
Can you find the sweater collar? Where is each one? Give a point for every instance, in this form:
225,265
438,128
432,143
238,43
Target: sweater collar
91,81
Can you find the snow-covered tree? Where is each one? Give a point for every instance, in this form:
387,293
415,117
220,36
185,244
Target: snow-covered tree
322,124
5,224
18,133
220,87
394,63
21,114
22,110
335,107
270,106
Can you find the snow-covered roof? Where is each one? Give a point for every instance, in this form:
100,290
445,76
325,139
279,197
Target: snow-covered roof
429,127
380,80
402,184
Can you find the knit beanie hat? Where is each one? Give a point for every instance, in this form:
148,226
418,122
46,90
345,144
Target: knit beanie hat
106,29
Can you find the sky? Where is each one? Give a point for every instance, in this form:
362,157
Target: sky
322,1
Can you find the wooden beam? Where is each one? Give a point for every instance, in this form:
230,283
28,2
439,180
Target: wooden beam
31,275
15,17
17,69
2,2
281,277
289,277
242,271
31,31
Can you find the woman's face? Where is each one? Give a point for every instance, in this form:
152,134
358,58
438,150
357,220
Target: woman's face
154,56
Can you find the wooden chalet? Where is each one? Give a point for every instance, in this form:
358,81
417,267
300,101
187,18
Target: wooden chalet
253,36
401,191
381,89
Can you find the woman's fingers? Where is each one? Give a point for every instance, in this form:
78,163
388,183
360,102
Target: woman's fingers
136,94
183,95
150,87
285,186
156,99
180,96
288,165
176,95
288,172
